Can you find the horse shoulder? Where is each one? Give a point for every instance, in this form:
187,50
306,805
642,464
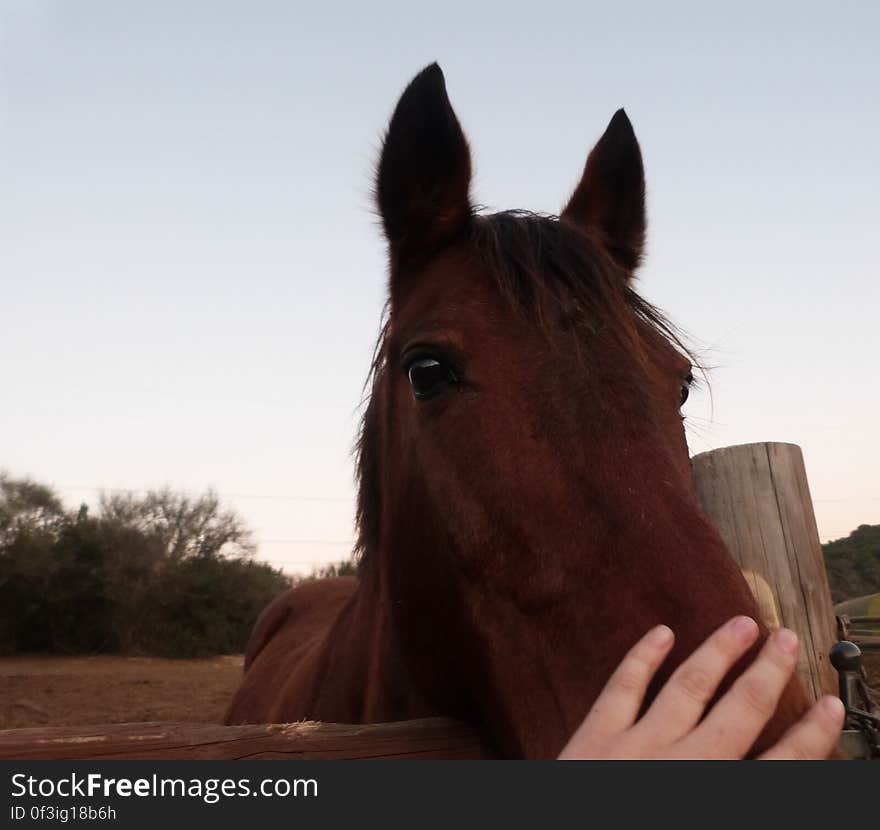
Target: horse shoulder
309,605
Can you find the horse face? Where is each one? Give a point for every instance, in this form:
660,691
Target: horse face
529,503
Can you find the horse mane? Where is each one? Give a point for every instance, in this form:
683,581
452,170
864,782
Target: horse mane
555,273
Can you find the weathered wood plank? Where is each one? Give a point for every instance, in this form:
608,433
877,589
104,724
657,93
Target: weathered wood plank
433,738
758,497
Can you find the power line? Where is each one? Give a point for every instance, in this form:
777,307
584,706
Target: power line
280,497
339,499
851,498
323,542
283,497
267,497
304,542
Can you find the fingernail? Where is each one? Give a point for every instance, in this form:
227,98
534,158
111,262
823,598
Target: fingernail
743,627
786,640
660,636
833,707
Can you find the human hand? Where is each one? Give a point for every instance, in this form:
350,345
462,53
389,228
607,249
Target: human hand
671,728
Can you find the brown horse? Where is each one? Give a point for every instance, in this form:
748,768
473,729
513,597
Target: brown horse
525,510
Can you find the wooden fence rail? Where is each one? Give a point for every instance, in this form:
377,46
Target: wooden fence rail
432,738
863,631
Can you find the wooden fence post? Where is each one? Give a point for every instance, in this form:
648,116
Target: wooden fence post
758,497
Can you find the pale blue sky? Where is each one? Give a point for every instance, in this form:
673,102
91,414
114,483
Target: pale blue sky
193,273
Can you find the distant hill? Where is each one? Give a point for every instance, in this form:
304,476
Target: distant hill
853,563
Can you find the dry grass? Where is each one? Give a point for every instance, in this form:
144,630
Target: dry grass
75,691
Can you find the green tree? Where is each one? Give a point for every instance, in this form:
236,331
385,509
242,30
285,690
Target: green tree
853,563
345,567
31,517
27,507
185,526
162,574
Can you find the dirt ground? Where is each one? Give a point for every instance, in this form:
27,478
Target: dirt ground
74,691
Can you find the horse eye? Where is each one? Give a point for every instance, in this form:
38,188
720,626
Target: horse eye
686,389
429,377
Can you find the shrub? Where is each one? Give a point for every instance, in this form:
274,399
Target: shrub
164,574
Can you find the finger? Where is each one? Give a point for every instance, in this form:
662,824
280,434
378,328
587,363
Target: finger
814,737
735,722
682,701
617,706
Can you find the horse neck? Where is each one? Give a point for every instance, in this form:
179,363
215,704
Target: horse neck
365,679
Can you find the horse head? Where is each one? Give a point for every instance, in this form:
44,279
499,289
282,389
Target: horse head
526,510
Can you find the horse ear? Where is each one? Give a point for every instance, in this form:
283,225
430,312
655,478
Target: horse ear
424,170
611,195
